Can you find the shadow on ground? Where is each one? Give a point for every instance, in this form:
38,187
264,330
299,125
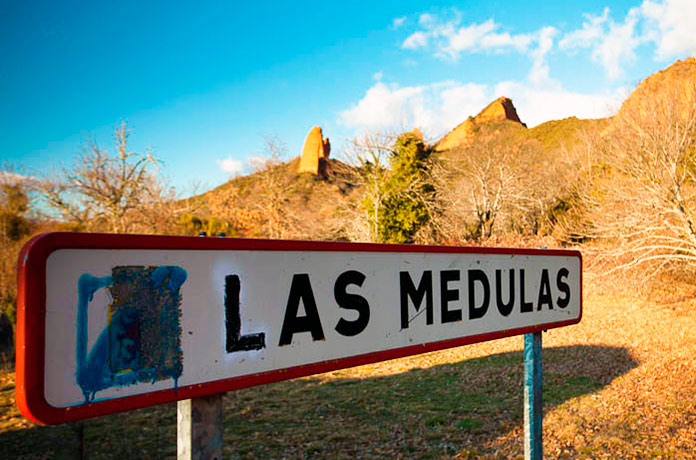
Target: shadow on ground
432,412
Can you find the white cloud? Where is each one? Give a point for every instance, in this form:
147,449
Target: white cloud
613,44
231,166
618,45
456,102
398,22
670,24
450,38
592,30
539,74
415,40
384,106
537,105
438,107
426,19
466,38
497,41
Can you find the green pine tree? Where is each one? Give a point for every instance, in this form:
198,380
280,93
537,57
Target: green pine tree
405,192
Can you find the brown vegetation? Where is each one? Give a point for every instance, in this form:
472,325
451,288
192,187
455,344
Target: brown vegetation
622,190
502,178
621,384
117,193
652,155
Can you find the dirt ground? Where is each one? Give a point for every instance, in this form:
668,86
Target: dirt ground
620,385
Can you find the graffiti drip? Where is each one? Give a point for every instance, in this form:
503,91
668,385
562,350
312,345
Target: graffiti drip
142,339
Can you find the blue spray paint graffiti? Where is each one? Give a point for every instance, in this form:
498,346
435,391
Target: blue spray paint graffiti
142,339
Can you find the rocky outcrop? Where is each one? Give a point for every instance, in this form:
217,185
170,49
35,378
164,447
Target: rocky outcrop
463,134
315,153
677,80
499,110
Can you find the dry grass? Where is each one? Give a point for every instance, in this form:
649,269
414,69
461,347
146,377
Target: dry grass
622,384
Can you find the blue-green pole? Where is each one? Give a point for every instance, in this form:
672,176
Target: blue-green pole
532,396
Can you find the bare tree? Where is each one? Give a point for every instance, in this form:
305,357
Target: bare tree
225,205
275,187
159,207
109,191
650,205
366,167
499,175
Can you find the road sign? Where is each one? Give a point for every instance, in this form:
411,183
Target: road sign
108,323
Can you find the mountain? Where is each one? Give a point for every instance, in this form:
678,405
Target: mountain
280,195
317,193
501,113
500,110
566,133
677,80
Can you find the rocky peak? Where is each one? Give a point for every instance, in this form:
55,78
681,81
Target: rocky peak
497,111
315,153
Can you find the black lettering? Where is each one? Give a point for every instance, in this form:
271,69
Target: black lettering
544,290
504,308
300,289
476,312
526,307
449,295
351,302
408,290
562,286
235,341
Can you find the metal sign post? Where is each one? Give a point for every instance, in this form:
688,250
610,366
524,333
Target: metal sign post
199,428
533,413
199,424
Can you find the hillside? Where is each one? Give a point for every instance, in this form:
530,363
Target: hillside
498,111
501,114
306,204
315,204
679,79
566,133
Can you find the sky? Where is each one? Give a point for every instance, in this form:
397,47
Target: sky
204,85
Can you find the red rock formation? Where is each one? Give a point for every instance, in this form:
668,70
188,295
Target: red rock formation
315,153
497,111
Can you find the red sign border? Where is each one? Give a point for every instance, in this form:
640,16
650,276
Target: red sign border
31,300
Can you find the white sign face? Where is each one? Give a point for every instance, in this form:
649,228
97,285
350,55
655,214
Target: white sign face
125,322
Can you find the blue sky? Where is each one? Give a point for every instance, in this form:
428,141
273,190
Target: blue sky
203,84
